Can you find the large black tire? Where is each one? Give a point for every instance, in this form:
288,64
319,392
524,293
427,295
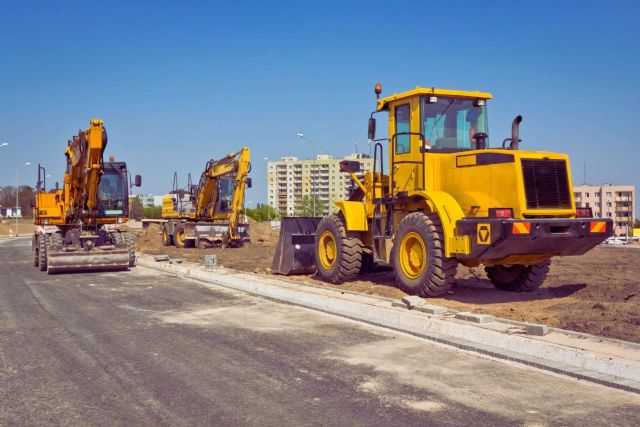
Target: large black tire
421,267
518,278
131,244
42,252
34,251
338,252
179,236
166,236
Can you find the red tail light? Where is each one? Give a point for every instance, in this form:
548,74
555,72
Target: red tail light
584,213
500,213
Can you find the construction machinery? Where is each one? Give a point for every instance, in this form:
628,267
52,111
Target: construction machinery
447,199
81,227
209,213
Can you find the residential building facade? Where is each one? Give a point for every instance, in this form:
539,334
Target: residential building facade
617,202
291,179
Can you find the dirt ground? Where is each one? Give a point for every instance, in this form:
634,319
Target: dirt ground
8,226
597,293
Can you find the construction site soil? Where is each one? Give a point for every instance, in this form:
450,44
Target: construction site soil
597,293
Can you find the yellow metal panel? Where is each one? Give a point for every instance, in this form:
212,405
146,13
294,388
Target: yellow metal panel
354,214
383,102
467,160
447,209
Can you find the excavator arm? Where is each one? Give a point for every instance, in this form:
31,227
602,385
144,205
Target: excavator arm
234,166
84,168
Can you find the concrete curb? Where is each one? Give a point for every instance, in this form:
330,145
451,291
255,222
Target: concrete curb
594,359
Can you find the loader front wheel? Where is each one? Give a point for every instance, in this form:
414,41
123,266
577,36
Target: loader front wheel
179,237
338,252
421,267
518,278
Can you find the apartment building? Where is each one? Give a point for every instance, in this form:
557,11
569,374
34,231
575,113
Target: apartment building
290,179
609,201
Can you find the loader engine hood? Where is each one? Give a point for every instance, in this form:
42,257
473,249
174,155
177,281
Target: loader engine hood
532,183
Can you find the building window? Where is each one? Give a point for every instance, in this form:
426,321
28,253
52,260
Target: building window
608,194
586,194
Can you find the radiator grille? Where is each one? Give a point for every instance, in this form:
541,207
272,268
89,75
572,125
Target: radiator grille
546,184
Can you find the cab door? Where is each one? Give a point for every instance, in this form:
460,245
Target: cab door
406,147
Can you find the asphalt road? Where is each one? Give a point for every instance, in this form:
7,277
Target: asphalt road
142,348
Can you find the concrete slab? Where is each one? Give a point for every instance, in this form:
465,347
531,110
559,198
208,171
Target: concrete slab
413,301
432,309
473,317
535,329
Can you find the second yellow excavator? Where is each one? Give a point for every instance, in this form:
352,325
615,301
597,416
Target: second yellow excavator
210,213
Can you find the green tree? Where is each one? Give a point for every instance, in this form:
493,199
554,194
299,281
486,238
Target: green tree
135,208
262,212
154,212
310,206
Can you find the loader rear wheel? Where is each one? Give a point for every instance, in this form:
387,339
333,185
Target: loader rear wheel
518,278
338,252
42,252
179,236
420,265
166,237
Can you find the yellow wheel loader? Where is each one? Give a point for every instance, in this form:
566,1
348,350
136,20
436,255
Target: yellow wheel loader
81,227
210,213
447,198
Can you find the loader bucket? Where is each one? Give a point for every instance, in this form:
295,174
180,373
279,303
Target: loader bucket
295,253
100,258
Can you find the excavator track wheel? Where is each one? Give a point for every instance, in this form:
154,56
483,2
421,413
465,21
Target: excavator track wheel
518,278
34,251
42,252
131,244
338,252
418,256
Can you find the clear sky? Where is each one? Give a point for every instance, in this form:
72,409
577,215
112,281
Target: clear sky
178,83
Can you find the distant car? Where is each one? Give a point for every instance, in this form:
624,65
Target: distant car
620,240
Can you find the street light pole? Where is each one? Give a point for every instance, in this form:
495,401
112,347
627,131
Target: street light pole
313,199
266,159
18,194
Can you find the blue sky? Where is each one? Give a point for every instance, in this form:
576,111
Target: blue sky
178,83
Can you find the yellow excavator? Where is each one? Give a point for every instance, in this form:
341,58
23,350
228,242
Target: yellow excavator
81,227
210,213
447,199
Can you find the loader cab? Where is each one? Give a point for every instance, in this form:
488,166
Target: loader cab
226,187
423,122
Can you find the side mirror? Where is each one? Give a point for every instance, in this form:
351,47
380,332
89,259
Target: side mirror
372,128
137,181
349,166
249,182
32,202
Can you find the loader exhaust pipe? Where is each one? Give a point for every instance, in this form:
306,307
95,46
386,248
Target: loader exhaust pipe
515,132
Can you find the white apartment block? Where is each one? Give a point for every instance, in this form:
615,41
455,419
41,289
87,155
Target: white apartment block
290,179
617,202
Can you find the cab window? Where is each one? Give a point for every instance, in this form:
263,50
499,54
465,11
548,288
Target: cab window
450,123
402,115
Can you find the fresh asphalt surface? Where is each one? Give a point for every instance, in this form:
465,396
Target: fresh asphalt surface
143,348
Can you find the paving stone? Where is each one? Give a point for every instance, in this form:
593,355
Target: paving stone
472,317
413,301
161,257
431,309
535,329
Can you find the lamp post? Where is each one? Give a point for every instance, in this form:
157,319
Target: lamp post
18,193
266,159
313,199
